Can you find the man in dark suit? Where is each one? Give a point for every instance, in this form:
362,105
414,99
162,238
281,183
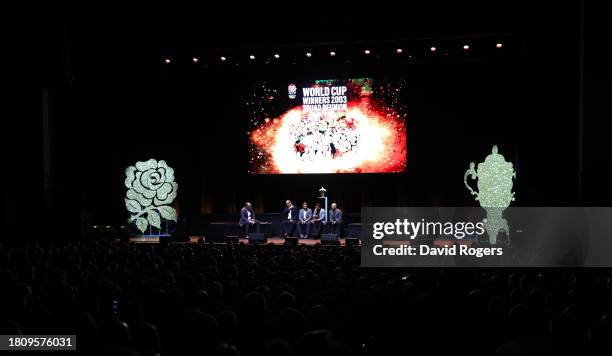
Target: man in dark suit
303,224
290,217
335,220
319,220
247,219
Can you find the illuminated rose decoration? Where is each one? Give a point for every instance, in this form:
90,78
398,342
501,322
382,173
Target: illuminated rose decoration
151,190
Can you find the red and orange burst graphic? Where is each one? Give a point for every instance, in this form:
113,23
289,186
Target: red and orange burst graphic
364,138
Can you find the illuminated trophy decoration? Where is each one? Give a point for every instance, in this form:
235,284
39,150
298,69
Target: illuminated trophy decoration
494,191
322,192
151,190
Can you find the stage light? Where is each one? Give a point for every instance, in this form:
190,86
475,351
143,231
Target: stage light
499,45
223,59
251,56
399,51
332,53
167,60
466,47
276,55
308,54
367,51
195,60
433,49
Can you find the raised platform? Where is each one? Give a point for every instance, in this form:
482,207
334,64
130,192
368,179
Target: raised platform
218,226
200,239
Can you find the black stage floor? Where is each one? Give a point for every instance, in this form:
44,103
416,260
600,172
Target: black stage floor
198,239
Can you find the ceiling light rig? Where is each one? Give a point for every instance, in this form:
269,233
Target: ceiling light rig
487,46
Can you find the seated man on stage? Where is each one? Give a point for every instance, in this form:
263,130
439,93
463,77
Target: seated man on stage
319,220
247,219
335,220
290,217
304,221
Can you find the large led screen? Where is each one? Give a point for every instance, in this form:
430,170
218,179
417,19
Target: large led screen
327,126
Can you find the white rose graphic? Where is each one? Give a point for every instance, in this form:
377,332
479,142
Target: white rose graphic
151,190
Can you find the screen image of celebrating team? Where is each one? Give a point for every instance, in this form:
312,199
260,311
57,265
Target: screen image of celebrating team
327,126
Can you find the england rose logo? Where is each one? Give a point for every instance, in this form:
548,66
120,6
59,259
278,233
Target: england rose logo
292,89
151,190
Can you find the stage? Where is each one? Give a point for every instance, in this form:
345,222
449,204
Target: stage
305,242
201,239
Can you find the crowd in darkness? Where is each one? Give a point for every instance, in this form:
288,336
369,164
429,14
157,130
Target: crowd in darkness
196,299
